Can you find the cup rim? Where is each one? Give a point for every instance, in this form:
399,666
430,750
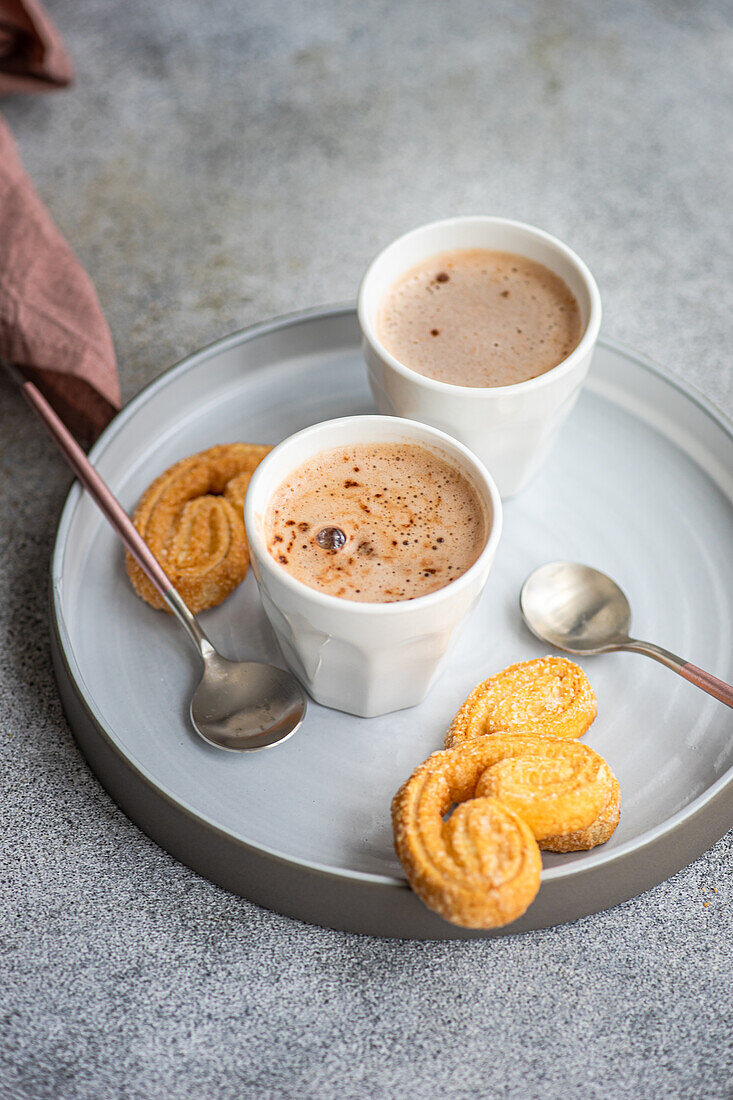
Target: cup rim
484,483
584,346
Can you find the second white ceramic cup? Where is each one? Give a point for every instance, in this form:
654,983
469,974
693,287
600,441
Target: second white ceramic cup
510,428
365,658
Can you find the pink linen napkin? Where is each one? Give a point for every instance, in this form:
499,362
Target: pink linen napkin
51,324
32,55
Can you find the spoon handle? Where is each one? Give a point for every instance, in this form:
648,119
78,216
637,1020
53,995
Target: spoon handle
697,676
105,499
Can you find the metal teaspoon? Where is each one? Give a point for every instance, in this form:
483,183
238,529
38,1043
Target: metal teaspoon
238,705
580,610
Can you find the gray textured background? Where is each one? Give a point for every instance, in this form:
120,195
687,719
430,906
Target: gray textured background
222,162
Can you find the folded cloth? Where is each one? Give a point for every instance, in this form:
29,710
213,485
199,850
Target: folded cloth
51,324
32,55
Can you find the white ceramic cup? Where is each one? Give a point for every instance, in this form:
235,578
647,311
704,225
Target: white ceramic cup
365,658
510,428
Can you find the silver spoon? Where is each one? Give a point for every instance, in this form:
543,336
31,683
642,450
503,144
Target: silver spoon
238,705
581,610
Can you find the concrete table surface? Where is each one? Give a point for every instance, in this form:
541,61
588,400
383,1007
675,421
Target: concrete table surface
220,163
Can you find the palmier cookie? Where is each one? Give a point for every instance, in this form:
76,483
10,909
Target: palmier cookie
480,868
191,518
550,696
598,832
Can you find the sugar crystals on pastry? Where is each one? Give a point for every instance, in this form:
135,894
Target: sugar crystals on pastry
191,518
549,696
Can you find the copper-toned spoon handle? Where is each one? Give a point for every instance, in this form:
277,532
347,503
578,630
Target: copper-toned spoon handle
697,676
708,682
96,487
108,503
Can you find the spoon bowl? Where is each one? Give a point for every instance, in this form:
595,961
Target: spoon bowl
244,705
575,608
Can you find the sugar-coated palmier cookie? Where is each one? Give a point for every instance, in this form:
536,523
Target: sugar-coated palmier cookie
564,790
191,518
513,794
598,832
550,696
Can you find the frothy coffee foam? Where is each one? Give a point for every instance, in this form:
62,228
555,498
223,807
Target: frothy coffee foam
473,317
413,522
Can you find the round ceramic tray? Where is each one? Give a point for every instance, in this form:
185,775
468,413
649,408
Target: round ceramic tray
640,485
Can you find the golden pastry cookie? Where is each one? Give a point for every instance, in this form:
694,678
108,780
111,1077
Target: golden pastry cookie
191,518
480,868
550,696
560,788
598,832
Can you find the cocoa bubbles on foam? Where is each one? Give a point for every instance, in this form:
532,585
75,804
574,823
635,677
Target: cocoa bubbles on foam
472,317
376,522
